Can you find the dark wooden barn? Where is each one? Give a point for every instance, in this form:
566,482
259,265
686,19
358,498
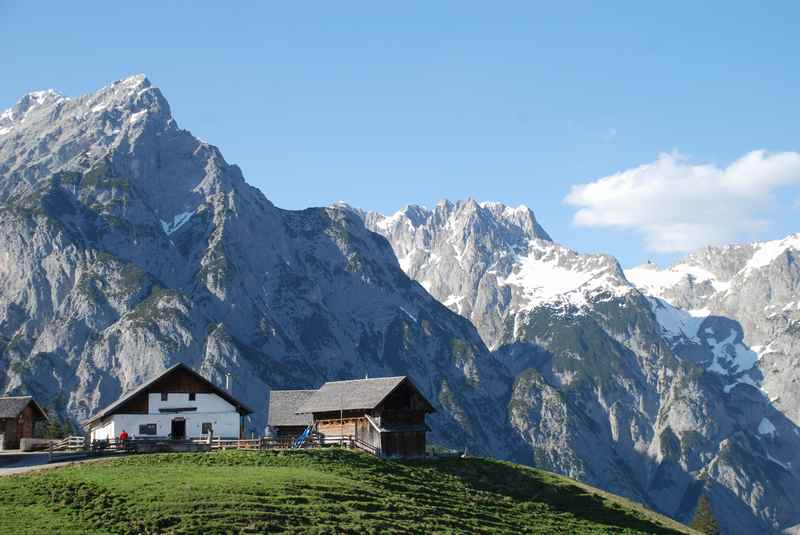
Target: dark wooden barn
384,415
17,418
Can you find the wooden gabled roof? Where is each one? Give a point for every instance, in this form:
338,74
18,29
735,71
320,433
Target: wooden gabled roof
10,407
119,405
359,394
283,406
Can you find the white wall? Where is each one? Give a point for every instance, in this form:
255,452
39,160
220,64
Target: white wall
103,432
210,403
210,409
225,424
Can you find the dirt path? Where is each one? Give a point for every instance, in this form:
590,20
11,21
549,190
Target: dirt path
21,463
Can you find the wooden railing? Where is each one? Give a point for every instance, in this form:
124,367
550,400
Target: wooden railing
76,446
314,441
348,441
233,444
255,443
70,443
366,446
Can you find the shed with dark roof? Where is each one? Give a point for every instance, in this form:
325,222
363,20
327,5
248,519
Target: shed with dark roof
282,416
17,417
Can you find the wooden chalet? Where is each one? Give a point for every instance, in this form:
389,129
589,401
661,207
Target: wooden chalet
17,417
385,416
178,404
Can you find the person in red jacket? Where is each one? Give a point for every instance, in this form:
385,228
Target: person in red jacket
123,438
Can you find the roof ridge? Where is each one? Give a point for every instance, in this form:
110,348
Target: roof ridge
15,397
109,409
367,379
353,394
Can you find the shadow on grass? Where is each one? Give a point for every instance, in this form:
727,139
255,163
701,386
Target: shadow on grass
429,483
523,484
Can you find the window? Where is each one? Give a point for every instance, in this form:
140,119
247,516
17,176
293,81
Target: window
148,429
207,428
191,396
164,396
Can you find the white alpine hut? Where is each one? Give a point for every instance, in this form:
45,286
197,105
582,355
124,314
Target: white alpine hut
178,404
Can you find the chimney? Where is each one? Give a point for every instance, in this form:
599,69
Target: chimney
228,382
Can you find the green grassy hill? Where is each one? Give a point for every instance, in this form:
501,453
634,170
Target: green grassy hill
323,491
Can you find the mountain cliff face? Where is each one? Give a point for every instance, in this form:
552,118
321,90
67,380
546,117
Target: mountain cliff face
126,245
741,305
628,380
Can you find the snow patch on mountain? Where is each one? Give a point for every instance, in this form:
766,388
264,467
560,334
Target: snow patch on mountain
760,351
731,357
767,252
177,222
453,301
676,323
550,273
766,427
657,282
136,117
654,281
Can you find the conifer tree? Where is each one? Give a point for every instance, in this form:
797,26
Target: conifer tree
703,519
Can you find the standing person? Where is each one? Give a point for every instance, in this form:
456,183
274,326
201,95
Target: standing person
123,438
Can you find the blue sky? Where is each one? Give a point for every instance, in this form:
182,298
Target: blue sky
382,105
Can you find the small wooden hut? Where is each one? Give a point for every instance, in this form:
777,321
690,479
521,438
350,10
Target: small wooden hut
17,417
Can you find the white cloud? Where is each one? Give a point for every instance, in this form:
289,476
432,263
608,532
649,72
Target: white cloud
678,206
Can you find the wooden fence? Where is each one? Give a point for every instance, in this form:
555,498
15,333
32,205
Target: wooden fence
347,441
244,444
71,443
77,447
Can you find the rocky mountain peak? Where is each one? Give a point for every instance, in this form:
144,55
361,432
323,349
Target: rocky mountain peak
521,215
123,133
134,95
469,215
17,114
488,261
